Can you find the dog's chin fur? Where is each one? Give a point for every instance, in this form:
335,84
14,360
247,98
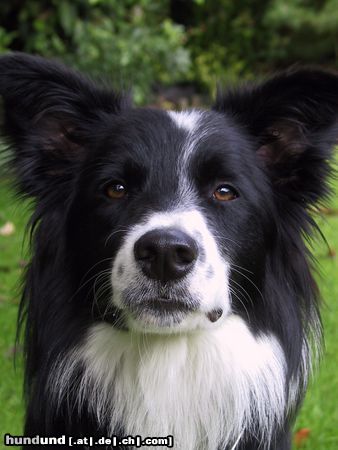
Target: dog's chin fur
216,351
170,323
202,387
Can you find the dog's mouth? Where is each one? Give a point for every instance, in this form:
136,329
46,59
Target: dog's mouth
161,311
166,313
166,305
164,309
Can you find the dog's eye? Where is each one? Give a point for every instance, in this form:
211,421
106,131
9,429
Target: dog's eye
225,193
116,191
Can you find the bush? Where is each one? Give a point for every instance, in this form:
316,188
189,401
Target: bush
129,40
238,39
147,43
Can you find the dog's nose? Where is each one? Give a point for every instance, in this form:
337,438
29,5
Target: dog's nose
166,254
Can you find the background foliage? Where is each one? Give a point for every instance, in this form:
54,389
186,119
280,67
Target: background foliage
154,43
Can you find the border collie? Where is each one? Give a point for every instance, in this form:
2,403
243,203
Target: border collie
170,290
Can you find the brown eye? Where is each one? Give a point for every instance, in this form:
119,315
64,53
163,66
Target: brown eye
225,193
116,191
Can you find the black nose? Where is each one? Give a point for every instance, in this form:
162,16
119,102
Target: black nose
166,254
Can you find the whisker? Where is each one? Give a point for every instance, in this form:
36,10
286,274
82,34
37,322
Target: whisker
247,295
120,230
233,292
84,283
247,278
242,268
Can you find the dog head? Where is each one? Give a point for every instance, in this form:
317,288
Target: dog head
170,221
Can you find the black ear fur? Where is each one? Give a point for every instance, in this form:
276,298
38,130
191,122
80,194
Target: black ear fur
49,115
293,118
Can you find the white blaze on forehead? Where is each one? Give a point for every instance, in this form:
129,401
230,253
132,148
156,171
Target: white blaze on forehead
187,120
190,121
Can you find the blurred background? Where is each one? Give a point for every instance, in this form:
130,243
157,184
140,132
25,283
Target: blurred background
173,54
174,48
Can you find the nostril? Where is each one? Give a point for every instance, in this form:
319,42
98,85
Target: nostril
185,254
145,252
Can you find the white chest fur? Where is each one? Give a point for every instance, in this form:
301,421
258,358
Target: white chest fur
204,388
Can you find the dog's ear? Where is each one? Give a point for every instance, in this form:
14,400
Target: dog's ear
293,121
50,116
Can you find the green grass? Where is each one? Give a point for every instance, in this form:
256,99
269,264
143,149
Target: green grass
11,258
320,411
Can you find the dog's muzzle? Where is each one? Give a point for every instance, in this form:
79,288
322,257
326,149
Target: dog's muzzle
170,276
166,256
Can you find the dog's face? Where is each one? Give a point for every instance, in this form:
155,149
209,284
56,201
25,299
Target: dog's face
165,221
171,203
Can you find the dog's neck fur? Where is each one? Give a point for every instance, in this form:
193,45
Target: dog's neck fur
204,388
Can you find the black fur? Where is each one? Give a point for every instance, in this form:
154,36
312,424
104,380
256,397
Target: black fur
70,138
